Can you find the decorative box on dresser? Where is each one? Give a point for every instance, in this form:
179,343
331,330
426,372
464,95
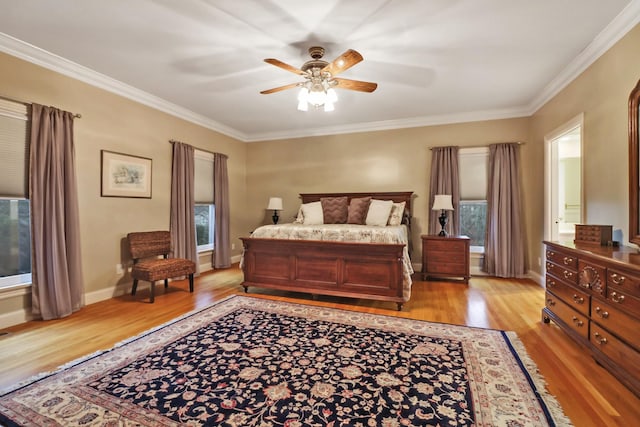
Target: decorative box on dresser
445,256
593,294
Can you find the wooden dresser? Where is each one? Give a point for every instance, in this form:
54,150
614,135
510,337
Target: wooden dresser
444,256
593,294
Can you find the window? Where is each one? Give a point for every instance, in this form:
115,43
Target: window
15,235
205,218
203,193
15,230
473,167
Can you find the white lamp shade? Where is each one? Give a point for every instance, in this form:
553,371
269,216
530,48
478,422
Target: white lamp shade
442,202
275,204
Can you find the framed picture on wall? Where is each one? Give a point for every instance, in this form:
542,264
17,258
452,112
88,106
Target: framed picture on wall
124,175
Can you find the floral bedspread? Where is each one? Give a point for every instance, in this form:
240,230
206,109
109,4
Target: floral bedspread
344,233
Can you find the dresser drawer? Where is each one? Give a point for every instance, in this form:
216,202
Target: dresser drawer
628,283
574,320
562,273
577,299
562,258
617,351
446,245
592,277
619,297
611,318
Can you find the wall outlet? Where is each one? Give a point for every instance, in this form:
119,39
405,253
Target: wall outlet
233,246
119,269
539,262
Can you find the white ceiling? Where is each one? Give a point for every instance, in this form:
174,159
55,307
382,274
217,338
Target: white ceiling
435,61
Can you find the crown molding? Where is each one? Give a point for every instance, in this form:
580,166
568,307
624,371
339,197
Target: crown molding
435,120
51,61
612,33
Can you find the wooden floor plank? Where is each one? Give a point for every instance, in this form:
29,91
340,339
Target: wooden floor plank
589,395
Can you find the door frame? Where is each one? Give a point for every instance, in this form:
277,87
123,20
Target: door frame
577,121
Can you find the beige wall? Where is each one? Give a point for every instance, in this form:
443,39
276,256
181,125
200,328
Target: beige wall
397,160
601,92
114,123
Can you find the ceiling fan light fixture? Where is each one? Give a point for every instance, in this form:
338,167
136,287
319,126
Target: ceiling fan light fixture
317,96
332,96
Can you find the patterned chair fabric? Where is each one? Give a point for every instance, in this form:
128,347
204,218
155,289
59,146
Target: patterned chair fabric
145,248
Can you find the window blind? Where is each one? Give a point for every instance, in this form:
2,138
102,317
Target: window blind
14,149
203,175
473,170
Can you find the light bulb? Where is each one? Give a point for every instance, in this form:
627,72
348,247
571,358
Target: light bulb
332,96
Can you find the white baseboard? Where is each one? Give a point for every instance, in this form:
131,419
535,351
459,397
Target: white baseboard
15,318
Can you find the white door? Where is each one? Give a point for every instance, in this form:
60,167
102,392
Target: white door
564,181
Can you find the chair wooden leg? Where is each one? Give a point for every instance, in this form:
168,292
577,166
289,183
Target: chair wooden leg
135,286
166,283
153,285
191,282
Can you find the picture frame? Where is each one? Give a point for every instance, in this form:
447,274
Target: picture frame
124,175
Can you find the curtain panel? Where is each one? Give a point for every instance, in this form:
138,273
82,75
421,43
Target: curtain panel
183,228
56,270
221,248
505,241
444,180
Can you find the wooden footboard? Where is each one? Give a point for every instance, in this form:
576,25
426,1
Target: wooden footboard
355,270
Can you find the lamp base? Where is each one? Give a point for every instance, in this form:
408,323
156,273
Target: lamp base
443,223
275,217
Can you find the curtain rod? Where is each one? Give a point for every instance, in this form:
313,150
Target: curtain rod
171,141
28,104
479,146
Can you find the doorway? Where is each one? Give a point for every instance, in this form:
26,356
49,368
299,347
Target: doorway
564,205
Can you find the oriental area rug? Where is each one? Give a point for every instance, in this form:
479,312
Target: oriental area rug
248,361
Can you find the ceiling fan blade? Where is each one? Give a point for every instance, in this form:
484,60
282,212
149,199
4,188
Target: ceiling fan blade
278,89
284,66
356,85
343,62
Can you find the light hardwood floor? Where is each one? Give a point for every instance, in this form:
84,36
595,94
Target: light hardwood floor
588,394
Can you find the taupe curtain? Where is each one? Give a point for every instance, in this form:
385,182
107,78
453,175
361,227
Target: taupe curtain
56,266
221,247
444,180
505,241
183,228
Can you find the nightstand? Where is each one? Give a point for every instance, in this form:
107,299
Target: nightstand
445,257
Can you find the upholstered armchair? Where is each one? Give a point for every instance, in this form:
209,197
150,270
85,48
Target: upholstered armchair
146,248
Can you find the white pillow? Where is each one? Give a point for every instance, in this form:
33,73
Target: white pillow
395,217
312,213
379,211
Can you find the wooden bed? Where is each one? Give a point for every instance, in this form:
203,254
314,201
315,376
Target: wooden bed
356,270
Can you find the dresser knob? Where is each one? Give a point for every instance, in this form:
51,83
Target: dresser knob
601,340
617,278
567,260
567,274
603,314
551,284
577,299
615,297
577,322
550,253
551,302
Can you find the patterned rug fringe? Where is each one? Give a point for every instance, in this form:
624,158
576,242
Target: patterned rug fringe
555,410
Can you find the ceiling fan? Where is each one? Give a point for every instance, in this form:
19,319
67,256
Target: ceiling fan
320,78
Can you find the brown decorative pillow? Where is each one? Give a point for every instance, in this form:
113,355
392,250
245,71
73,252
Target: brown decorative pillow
358,208
334,209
